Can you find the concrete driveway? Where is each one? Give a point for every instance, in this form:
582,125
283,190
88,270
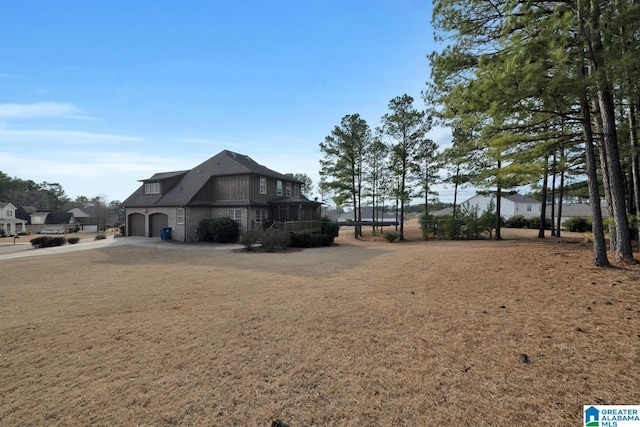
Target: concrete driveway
23,250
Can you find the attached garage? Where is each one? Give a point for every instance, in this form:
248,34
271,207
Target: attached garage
156,222
136,225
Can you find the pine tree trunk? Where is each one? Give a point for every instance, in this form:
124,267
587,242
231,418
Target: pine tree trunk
599,243
635,166
561,194
543,214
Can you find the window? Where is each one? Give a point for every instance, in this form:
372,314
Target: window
528,208
235,214
261,215
263,185
279,188
152,188
180,216
8,213
288,189
296,190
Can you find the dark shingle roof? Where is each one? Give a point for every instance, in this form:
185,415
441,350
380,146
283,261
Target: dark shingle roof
59,218
190,182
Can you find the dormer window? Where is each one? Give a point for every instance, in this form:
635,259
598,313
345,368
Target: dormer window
152,189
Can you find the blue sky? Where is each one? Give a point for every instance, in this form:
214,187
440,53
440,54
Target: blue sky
96,96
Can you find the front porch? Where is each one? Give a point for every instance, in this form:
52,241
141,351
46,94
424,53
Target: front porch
309,226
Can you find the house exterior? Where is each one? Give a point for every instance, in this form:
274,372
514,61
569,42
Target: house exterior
576,210
40,220
228,184
8,220
510,205
84,221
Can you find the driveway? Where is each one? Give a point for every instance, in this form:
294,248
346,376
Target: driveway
23,250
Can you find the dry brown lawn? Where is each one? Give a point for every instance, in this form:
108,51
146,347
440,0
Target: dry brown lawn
364,333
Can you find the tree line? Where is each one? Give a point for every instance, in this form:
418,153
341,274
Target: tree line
539,91
394,163
51,197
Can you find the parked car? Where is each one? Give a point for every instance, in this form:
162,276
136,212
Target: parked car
50,231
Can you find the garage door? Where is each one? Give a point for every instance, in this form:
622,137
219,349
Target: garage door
136,225
156,222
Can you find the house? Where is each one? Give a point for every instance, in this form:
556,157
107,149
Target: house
24,212
8,220
227,185
60,220
576,210
84,221
510,205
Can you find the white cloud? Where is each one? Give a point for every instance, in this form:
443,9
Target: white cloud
38,109
64,136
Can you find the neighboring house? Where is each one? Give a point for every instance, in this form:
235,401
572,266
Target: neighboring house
576,210
227,185
510,205
59,220
24,212
8,220
84,221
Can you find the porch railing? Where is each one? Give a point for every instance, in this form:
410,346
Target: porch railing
310,226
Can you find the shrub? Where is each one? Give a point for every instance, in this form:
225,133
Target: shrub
38,242
275,239
391,236
250,238
218,230
73,240
55,241
534,223
100,237
516,221
48,242
3,233
577,224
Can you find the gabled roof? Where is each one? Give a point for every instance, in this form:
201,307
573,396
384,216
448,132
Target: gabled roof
5,204
188,183
59,218
78,213
519,198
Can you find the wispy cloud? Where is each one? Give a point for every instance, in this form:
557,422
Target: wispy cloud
67,136
38,109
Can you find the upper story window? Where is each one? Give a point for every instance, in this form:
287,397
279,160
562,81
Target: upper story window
8,213
180,216
263,185
296,190
279,188
288,189
529,209
152,188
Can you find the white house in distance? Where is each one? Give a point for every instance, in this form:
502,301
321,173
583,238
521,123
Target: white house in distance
8,221
510,205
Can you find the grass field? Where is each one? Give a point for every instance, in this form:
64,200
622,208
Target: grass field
365,333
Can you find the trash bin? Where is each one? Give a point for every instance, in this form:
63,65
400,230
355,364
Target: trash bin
165,233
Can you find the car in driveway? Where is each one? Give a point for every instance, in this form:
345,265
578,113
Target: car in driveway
50,231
